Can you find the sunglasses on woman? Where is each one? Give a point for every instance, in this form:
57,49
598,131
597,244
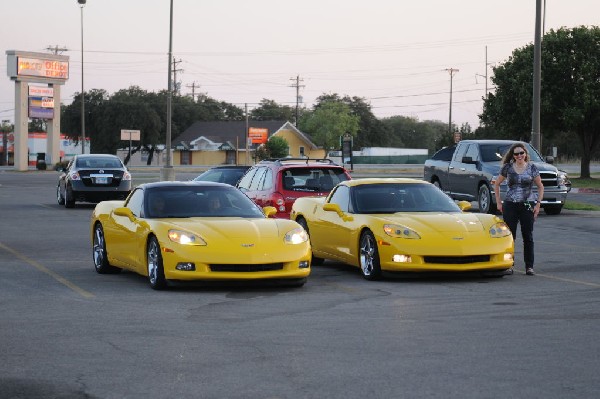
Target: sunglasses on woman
516,154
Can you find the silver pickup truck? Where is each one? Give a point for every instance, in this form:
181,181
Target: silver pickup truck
468,171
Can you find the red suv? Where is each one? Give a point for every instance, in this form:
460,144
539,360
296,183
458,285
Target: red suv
278,183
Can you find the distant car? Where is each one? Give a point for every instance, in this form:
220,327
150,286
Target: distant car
93,178
196,231
229,174
403,225
280,182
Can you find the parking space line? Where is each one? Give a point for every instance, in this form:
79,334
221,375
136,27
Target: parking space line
568,280
49,272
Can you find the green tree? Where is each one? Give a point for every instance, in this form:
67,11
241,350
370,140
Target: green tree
570,99
269,110
371,131
277,147
328,122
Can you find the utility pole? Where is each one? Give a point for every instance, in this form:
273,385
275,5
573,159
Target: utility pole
246,134
193,86
175,70
57,50
452,71
537,77
486,74
297,85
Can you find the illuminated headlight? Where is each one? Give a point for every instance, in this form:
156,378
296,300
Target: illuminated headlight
296,236
498,230
508,257
126,176
185,238
395,230
563,179
402,258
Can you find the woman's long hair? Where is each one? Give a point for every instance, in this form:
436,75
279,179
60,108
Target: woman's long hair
510,154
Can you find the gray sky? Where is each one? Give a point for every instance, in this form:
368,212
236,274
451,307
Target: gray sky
395,54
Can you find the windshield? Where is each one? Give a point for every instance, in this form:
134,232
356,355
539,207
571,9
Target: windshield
401,197
313,179
99,163
495,152
199,201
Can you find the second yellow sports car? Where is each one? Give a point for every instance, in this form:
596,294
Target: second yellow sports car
196,231
402,225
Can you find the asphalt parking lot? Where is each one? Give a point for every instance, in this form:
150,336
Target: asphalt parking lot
67,332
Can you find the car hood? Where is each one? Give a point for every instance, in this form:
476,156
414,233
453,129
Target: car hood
440,222
234,229
542,166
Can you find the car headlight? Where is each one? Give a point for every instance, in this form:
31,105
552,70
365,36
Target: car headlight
185,238
499,229
563,179
75,176
126,176
296,236
398,231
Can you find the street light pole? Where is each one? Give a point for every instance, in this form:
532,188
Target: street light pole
81,4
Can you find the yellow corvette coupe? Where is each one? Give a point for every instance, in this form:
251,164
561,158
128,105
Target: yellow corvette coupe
403,225
196,231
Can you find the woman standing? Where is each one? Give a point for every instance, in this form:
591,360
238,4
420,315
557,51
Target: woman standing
521,204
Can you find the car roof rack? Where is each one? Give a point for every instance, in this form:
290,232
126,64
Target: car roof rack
299,160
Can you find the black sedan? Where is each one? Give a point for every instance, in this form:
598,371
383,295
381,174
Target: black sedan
229,174
93,178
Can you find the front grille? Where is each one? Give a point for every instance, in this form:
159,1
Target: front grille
549,179
457,260
247,268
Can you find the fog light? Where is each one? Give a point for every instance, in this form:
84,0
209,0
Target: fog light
402,258
186,266
508,257
303,264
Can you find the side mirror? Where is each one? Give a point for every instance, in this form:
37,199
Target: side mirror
123,211
464,205
336,208
269,211
332,208
549,159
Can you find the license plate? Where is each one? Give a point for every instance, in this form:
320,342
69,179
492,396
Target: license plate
101,180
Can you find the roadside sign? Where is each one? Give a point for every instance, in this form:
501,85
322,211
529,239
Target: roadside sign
130,135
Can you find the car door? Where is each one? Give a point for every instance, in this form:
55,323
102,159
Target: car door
461,171
332,231
123,238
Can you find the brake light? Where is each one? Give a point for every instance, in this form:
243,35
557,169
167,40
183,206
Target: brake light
279,202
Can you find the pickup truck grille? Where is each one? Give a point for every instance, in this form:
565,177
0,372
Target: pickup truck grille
549,179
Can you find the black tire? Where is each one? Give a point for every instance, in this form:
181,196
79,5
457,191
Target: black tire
59,197
154,262
315,259
99,254
368,256
553,209
484,200
437,183
69,200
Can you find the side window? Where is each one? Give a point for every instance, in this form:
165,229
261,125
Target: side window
473,152
460,152
301,151
268,181
247,179
341,196
258,179
136,202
